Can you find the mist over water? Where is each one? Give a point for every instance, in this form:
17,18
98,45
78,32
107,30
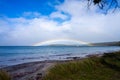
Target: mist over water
21,54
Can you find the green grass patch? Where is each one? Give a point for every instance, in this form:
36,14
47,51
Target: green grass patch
93,68
4,75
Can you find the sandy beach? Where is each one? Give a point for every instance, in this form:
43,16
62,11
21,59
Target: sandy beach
28,71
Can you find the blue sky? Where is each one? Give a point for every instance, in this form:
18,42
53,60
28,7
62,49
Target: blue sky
26,22
15,8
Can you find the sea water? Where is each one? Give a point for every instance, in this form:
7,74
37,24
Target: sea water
12,55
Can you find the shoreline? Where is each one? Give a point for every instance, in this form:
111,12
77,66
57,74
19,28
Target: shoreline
30,70
66,58
26,71
54,60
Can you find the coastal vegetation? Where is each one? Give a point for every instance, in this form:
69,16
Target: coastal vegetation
106,67
4,75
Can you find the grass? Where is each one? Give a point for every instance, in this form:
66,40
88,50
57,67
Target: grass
4,75
106,67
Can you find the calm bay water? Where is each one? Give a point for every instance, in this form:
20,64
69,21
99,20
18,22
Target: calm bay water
21,54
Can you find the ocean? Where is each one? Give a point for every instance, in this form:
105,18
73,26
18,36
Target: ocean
12,55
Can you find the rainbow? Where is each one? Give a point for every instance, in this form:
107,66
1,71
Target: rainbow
61,40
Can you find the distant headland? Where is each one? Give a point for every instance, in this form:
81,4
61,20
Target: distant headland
114,43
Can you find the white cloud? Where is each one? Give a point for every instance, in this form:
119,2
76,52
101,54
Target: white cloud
84,24
58,15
